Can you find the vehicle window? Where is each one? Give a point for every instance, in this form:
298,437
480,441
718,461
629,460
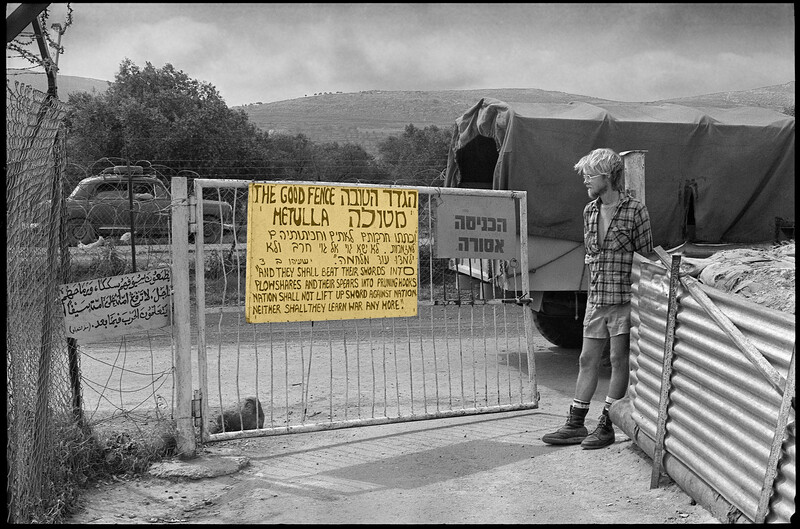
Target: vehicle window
111,190
161,191
80,189
143,188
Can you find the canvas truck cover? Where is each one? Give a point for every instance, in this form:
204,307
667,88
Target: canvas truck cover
737,165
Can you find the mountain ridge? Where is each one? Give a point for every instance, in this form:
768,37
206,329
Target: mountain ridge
369,116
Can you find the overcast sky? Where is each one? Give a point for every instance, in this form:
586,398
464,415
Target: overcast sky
272,52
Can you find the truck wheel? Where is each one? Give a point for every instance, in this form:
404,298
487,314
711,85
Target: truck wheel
80,230
563,331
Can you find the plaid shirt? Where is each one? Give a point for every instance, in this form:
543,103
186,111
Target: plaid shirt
610,266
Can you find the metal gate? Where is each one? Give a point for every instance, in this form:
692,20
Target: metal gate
469,349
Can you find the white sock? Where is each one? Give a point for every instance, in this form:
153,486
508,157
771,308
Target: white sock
579,404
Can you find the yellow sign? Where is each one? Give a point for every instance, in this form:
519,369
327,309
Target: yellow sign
330,253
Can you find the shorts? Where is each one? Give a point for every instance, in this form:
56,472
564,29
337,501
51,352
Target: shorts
608,320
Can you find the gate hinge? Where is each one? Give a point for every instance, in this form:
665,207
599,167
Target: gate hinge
192,214
197,408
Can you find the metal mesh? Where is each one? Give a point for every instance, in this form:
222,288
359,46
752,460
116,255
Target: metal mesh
466,351
39,408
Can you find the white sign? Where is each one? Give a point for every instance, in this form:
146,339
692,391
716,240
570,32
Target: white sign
476,227
114,306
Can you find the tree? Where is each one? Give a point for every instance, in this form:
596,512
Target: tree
417,157
161,114
346,163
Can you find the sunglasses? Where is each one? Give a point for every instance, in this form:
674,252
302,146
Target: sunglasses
592,177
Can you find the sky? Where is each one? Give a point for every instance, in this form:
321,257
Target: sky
264,52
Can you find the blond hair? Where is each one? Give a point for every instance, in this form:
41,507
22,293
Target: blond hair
602,161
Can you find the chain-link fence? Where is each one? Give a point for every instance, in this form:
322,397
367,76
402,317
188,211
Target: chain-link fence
41,371
76,410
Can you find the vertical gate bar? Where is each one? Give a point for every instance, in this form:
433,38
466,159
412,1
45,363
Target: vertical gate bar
303,406
472,353
430,247
472,282
372,356
460,347
777,443
286,372
202,352
219,364
307,377
358,372
238,339
496,353
666,372
346,372
435,361
396,369
385,385
410,366
183,341
508,350
330,383
422,359
520,334
255,354
482,295
271,376
526,312
485,358
240,309
447,352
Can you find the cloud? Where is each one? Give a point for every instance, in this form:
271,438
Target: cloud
269,52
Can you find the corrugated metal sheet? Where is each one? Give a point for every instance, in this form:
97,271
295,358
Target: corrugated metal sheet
723,413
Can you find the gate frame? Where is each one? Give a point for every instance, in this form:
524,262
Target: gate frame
187,408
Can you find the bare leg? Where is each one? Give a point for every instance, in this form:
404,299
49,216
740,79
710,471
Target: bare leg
588,370
620,353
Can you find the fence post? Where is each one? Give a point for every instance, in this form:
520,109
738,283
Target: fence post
182,318
777,444
666,372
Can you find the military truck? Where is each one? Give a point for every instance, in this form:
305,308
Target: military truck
710,178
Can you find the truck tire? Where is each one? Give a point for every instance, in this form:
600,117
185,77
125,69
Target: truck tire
563,331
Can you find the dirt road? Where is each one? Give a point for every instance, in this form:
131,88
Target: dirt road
490,468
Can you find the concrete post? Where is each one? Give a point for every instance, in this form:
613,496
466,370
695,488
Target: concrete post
182,318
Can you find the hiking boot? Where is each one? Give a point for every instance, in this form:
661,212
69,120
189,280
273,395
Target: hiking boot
602,436
573,432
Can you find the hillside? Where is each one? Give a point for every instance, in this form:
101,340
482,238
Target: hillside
67,84
369,116
777,97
